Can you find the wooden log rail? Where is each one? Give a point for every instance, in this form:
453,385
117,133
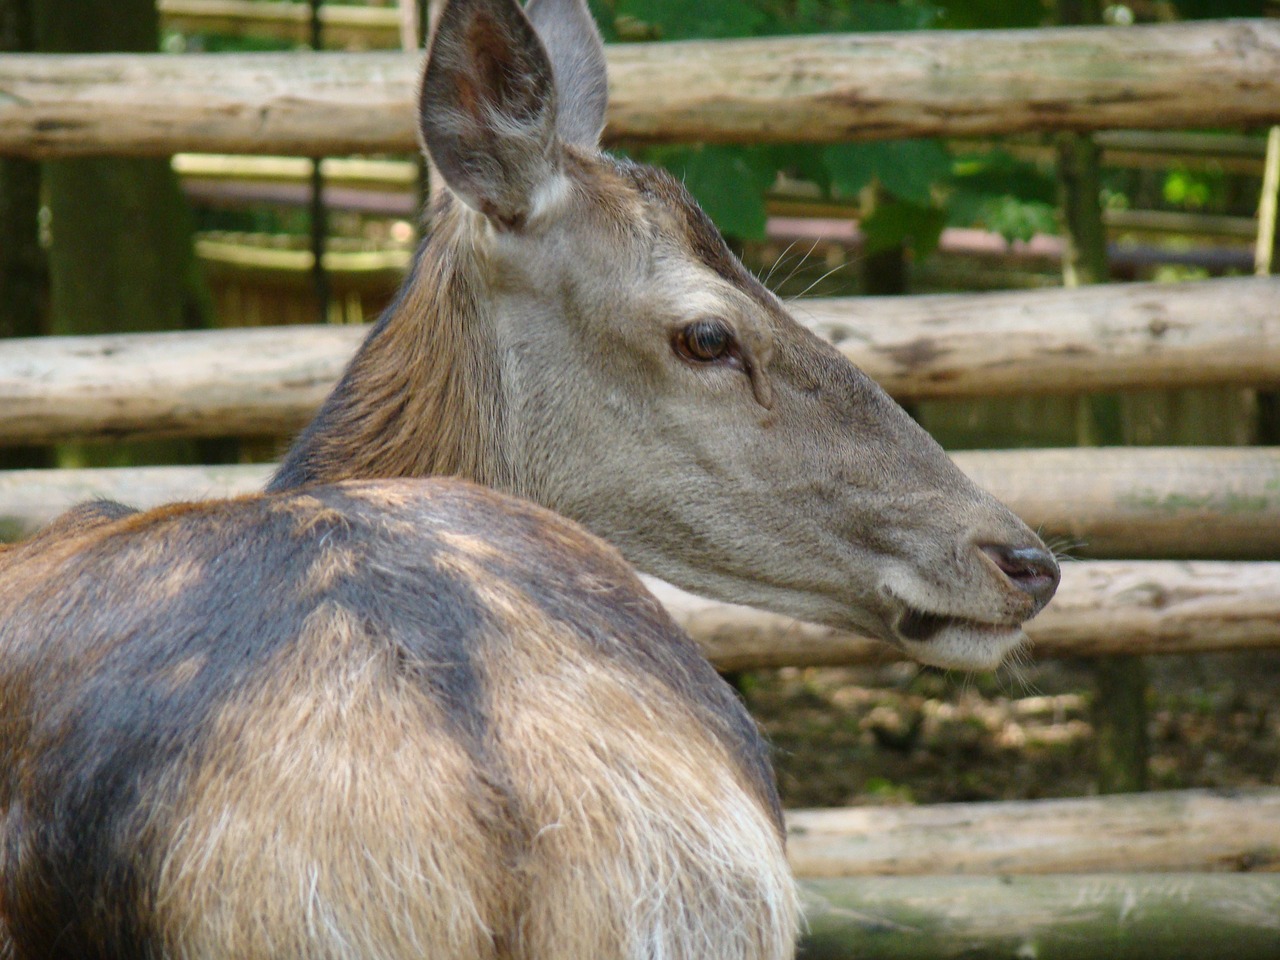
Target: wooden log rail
1132,502
268,381
1120,502
1064,917
819,88
344,25
1104,607
1177,830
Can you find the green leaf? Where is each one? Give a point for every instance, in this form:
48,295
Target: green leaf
684,19
852,166
1016,219
802,161
895,222
1213,9
908,169
850,16
983,14
996,191
999,172
604,14
691,19
729,183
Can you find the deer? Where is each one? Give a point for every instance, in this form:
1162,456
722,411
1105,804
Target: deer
413,699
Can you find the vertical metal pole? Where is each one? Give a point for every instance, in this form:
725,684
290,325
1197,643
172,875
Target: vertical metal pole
319,215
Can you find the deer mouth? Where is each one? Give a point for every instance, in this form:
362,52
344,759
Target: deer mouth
921,627
944,640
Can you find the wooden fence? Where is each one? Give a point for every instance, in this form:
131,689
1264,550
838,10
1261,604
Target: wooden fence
823,88
1075,889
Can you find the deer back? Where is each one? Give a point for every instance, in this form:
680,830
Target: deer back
445,718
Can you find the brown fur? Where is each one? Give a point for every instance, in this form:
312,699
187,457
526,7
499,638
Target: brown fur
418,400
258,785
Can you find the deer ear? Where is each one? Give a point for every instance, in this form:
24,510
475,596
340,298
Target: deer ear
488,108
577,58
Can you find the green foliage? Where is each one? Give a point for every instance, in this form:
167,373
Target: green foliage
922,189
825,16
1216,9
1190,189
729,182
680,19
986,15
908,169
996,191
719,19
902,222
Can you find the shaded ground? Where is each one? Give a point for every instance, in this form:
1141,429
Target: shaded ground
901,734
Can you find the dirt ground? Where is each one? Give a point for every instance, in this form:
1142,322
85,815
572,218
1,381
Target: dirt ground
904,734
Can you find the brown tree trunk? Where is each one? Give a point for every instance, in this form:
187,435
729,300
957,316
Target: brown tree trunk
122,257
24,277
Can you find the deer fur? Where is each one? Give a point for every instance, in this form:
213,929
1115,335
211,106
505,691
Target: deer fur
372,715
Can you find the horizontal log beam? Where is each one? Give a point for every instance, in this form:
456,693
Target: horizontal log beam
1221,502
29,499
1183,830
1204,502
268,381
817,88
1071,917
343,25
1110,337
263,381
1103,608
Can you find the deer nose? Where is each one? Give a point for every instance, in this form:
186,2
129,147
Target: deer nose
1031,569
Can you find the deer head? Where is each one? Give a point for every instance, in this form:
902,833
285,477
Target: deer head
599,350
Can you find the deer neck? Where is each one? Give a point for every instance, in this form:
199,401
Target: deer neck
422,395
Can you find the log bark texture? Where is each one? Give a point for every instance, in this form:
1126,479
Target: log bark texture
343,25
264,381
269,381
1140,502
823,88
1057,341
1103,608
1206,502
29,499
1069,917
1182,830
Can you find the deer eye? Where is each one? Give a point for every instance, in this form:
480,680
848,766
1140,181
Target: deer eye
704,341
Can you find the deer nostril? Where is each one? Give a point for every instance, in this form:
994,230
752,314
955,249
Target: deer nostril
1031,569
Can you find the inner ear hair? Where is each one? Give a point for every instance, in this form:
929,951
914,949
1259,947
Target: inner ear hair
487,109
